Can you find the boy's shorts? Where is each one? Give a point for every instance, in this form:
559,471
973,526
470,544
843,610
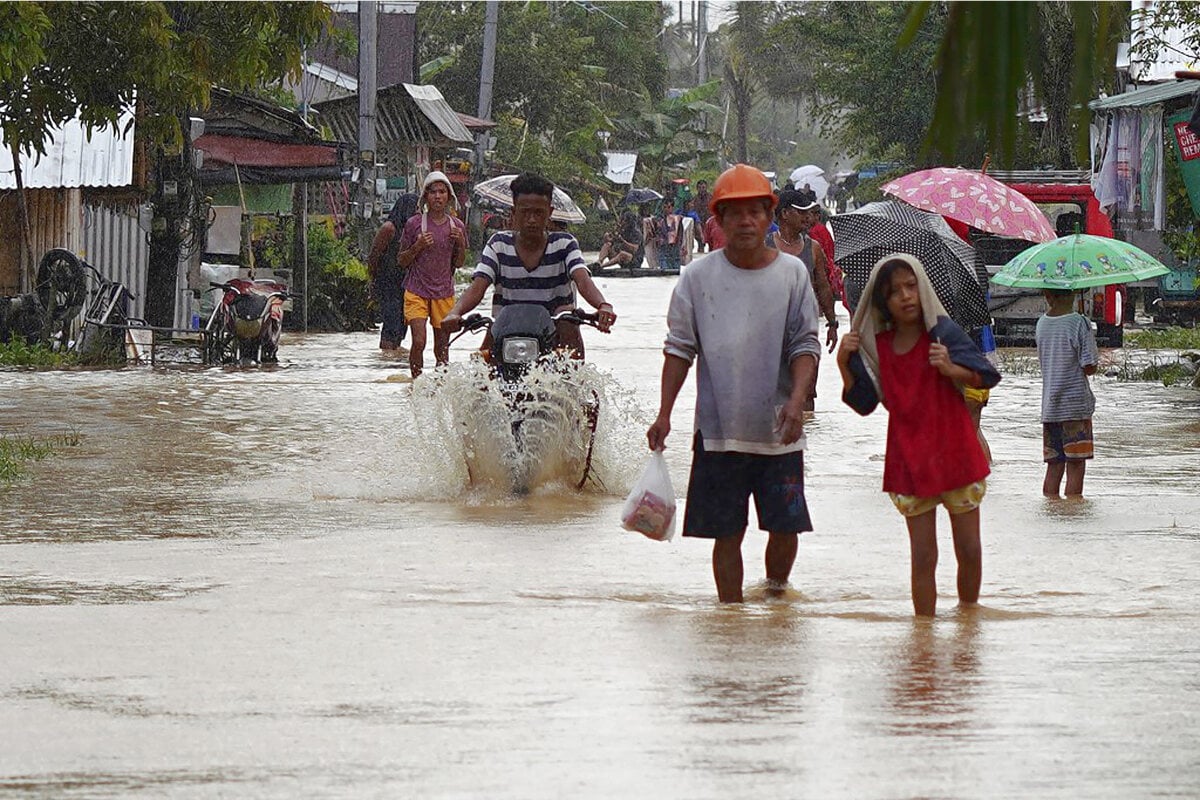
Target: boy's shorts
1070,440
719,490
434,310
957,501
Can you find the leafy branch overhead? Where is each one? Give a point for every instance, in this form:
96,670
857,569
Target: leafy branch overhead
989,54
100,59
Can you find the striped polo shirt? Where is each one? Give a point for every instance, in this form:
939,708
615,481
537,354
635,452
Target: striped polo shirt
548,285
1065,346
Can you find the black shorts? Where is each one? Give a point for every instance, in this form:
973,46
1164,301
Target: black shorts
719,490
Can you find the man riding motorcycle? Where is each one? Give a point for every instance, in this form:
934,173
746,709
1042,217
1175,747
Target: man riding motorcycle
529,265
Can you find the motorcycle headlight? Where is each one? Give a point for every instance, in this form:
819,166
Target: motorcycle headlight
519,350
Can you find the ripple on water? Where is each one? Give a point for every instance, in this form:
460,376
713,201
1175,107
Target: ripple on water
27,590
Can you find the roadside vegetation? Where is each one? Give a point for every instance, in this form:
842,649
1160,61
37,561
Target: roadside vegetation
1164,339
1170,356
17,452
18,353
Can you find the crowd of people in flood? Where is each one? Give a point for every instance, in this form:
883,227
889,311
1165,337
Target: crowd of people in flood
769,268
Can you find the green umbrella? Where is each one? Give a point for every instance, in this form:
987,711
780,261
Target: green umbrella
1078,261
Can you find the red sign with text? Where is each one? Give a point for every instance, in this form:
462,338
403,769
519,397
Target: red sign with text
1189,143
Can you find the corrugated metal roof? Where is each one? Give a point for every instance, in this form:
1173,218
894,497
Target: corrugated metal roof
439,111
399,117
1148,96
72,161
472,123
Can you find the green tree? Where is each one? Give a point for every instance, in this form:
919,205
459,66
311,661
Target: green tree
1153,23
873,97
100,60
666,134
744,44
562,74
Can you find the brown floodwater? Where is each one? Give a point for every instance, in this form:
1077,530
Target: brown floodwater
280,583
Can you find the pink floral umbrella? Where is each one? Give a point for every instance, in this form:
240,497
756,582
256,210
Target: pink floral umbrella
975,199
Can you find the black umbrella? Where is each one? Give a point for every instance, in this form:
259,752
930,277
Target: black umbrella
863,238
635,197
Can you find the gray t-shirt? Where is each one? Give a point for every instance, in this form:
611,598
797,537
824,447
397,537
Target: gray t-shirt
1065,346
745,327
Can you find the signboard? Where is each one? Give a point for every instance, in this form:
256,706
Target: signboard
1187,151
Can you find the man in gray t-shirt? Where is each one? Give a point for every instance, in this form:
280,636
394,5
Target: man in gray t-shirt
747,314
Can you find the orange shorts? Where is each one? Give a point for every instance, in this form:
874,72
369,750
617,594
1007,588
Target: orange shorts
417,307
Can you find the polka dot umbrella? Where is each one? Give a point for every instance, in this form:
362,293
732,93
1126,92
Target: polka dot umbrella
862,239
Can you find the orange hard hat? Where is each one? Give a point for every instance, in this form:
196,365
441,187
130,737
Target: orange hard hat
741,182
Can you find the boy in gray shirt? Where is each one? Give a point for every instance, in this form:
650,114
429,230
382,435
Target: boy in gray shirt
1067,355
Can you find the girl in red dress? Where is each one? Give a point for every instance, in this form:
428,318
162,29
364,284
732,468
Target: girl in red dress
904,351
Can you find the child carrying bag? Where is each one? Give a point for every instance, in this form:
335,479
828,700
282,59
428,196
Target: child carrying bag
650,507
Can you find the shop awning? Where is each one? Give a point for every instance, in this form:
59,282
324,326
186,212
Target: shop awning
1146,96
262,161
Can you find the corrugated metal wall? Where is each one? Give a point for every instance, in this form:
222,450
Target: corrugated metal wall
51,213
115,244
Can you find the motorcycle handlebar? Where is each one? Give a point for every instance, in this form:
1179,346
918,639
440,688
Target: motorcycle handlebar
229,287
474,322
578,316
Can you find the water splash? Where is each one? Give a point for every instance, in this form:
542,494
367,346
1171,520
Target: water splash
535,433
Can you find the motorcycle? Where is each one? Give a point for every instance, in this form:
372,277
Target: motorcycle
245,325
552,417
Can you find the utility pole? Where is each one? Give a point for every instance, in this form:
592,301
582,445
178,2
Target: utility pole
368,79
300,211
695,28
487,71
702,47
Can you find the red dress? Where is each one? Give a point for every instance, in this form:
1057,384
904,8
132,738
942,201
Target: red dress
931,443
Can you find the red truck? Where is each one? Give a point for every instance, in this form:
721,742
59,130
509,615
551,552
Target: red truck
1067,200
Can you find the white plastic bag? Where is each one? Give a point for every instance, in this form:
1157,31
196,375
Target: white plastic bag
650,507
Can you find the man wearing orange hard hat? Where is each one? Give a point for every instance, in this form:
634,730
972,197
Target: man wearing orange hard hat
748,316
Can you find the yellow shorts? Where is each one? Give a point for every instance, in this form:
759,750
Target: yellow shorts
957,501
417,307
977,396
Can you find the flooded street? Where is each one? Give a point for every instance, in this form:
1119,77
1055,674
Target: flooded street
277,583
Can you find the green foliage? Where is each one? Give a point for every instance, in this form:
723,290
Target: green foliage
1180,237
668,134
562,74
18,353
1168,373
23,27
1156,19
867,190
871,95
98,58
16,452
1165,339
338,279
591,233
